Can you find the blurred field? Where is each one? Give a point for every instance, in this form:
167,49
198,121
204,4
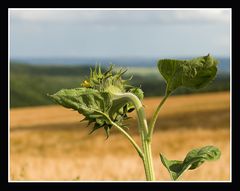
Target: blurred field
49,143
50,78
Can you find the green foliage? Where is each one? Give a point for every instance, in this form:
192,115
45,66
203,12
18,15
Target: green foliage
195,73
94,105
193,160
105,99
95,99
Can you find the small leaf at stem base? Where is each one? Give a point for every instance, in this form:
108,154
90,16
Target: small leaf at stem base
194,159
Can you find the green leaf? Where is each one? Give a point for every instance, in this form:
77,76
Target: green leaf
94,105
195,73
194,159
86,101
95,100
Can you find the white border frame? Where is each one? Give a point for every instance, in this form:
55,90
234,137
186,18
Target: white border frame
118,9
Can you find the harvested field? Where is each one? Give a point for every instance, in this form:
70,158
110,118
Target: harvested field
49,143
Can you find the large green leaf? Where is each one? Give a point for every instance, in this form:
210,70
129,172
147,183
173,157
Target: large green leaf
195,73
84,100
94,105
193,160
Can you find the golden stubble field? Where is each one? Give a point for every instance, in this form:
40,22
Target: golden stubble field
48,143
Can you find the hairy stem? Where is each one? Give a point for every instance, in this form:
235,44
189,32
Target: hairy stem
143,130
155,115
149,161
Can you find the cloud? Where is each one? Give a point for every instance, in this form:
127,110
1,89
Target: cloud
123,17
119,32
211,16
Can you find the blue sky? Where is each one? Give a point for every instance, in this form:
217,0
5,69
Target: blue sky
38,33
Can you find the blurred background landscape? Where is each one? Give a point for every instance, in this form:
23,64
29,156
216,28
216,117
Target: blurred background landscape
30,83
53,49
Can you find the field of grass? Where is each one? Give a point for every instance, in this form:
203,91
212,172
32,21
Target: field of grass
49,143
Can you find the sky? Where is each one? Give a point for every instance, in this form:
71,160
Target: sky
49,33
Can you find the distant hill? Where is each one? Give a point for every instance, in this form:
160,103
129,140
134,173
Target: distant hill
29,84
224,63
48,70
